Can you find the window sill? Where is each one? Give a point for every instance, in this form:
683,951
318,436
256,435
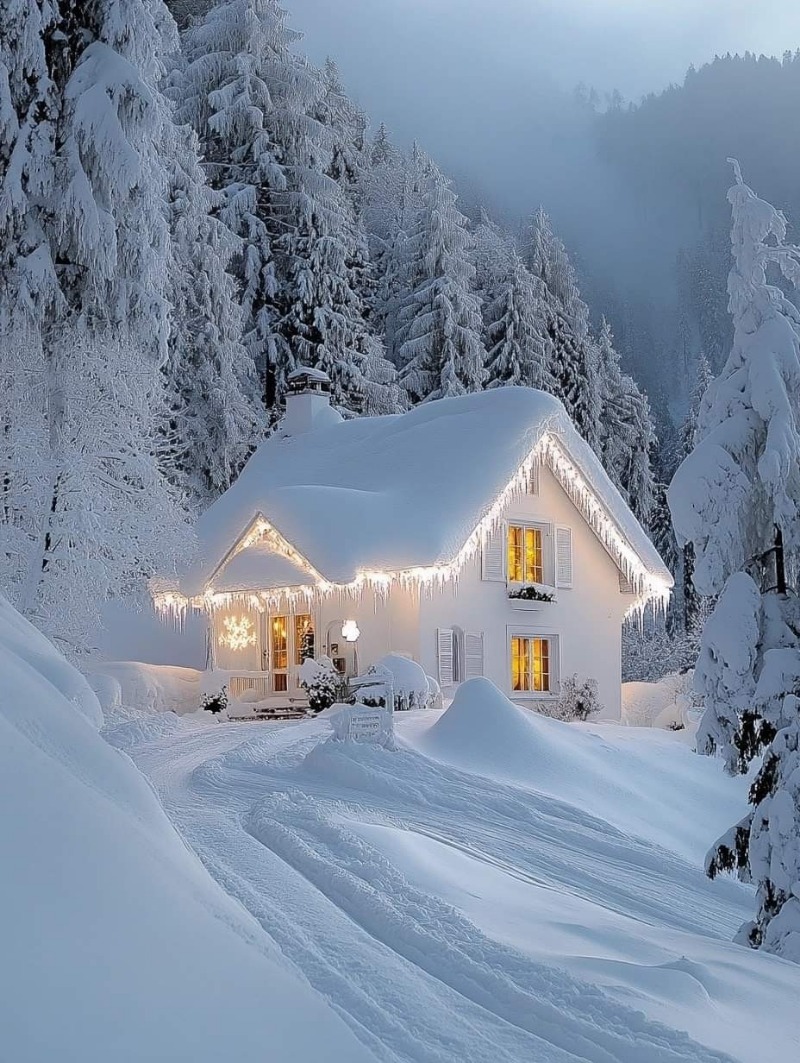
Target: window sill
528,606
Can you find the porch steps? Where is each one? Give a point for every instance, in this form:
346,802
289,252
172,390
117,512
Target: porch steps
273,712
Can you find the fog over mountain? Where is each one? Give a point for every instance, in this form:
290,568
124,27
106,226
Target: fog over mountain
489,90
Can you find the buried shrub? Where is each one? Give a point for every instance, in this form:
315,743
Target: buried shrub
578,701
215,703
321,682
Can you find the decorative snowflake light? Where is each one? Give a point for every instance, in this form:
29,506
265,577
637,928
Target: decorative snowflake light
239,633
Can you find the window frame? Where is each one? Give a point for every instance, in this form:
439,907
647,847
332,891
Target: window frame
518,632
548,555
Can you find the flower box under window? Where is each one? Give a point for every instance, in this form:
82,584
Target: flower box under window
531,595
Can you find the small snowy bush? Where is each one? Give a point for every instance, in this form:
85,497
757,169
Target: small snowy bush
321,682
410,685
578,701
215,703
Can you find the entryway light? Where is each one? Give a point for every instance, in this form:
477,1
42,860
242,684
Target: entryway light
350,631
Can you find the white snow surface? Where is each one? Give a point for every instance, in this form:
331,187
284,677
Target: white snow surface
148,687
661,704
116,943
398,492
501,888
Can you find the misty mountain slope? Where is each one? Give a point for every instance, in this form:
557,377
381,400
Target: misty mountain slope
669,153
450,911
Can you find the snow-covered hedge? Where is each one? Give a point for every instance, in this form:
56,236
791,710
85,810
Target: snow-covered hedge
412,688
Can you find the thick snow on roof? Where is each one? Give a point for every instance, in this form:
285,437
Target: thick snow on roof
399,492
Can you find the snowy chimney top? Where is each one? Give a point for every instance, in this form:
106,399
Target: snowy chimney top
306,379
308,402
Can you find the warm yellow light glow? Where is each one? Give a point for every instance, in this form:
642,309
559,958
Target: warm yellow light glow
648,586
239,633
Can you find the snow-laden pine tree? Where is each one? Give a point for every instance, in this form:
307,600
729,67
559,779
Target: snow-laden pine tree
625,435
84,252
347,124
345,128
517,352
691,605
571,352
246,95
440,320
322,259
216,413
394,189
736,499
493,253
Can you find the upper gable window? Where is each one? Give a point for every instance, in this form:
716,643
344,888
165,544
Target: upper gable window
525,554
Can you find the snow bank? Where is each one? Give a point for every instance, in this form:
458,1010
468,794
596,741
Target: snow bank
146,687
116,944
680,805
661,704
411,687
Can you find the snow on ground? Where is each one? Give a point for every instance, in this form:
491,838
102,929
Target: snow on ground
115,944
502,888
147,687
663,704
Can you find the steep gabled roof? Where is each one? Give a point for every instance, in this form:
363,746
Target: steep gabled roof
407,492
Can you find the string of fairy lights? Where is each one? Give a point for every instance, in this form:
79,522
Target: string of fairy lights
648,587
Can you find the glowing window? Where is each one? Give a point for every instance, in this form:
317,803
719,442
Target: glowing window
280,642
531,665
525,554
303,637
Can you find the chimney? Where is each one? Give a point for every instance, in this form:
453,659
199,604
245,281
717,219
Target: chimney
308,402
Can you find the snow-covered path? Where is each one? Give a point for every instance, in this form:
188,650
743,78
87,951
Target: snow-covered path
431,905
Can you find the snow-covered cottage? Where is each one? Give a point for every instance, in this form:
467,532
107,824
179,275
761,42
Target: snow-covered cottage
478,535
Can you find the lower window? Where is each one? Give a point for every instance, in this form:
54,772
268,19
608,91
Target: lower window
532,664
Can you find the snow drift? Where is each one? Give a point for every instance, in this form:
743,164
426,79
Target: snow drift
116,944
622,780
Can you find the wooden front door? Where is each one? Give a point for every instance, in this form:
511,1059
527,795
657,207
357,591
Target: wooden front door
286,639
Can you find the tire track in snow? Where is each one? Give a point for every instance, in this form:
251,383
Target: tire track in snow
415,980
557,1010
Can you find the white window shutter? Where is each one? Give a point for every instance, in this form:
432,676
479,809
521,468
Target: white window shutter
473,654
493,554
533,482
563,556
445,656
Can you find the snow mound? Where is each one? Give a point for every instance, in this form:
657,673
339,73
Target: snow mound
482,726
146,687
410,685
663,704
116,944
623,780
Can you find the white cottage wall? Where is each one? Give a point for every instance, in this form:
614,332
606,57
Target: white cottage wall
387,624
586,619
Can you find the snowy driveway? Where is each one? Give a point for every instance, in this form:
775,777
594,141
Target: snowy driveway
451,916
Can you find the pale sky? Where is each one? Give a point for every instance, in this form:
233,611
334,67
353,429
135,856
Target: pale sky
634,45
482,83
